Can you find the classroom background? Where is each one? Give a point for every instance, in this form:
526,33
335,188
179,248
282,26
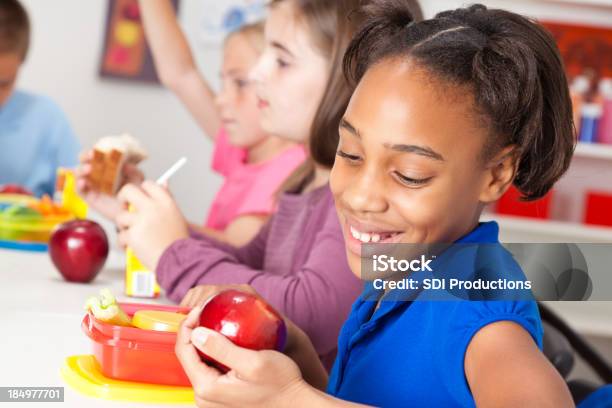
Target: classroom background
64,63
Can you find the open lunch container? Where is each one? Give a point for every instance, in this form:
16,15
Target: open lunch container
20,222
134,354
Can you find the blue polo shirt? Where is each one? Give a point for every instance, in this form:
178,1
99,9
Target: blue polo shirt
35,139
411,353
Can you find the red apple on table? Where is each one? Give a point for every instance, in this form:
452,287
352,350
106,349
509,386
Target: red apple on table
78,250
14,189
246,320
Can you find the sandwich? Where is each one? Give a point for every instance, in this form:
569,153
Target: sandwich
109,156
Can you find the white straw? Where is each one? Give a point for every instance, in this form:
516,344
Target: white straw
170,172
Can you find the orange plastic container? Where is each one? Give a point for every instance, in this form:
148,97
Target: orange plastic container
132,354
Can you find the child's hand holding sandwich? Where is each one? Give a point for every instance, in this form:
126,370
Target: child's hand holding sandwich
111,164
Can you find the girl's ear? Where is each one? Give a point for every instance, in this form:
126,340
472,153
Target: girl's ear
500,172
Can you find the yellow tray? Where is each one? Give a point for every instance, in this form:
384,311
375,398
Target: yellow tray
82,373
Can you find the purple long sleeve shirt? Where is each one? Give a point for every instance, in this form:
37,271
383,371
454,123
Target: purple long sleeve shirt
297,263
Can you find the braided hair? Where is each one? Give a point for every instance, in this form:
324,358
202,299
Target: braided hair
510,64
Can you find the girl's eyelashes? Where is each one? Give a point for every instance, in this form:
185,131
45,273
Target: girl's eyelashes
282,63
349,157
410,181
404,180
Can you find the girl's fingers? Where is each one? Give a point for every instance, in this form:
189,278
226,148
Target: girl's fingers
83,170
200,375
197,296
82,173
123,239
132,194
86,156
81,185
132,173
183,336
186,302
211,388
189,323
157,192
246,363
125,220
205,293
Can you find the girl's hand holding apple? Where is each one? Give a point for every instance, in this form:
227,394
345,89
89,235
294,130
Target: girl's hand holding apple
256,378
297,344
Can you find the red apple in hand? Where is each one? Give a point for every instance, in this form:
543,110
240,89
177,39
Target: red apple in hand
246,320
78,250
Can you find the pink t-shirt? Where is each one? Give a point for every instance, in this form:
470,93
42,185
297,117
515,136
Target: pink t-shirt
248,189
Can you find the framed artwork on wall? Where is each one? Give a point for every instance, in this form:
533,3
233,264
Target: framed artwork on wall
125,53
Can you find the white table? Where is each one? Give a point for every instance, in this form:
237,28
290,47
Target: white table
40,318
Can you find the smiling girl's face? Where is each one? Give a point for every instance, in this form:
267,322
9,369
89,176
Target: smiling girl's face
290,76
409,167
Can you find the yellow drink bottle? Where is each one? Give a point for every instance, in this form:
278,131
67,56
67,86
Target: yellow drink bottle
139,280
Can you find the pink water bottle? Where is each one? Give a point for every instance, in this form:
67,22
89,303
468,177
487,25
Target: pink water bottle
604,132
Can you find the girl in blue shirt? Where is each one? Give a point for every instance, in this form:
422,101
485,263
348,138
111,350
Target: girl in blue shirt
447,114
